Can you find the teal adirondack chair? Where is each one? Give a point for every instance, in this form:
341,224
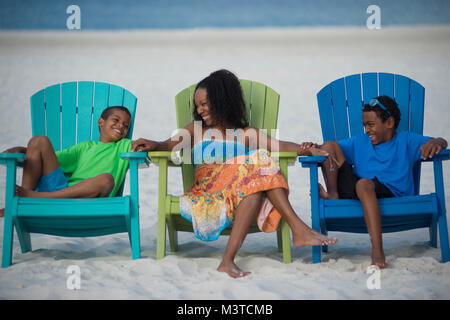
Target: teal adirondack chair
67,114
340,108
262,105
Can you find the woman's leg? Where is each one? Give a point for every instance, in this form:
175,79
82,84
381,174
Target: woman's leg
365,189
245,215
302,235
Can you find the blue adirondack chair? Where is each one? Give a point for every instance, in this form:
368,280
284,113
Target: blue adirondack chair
340,108
67,114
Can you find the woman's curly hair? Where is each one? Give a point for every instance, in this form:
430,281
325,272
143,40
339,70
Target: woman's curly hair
225,96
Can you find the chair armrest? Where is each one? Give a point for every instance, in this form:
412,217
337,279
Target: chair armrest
140,157
11,160
284,160
289,156
157,156
17,157
311,160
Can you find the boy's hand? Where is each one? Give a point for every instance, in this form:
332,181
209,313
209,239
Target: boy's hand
432,147
15,150
318,152
143,145
307,145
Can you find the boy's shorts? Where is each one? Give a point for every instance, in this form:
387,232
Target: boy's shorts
347,180
53,181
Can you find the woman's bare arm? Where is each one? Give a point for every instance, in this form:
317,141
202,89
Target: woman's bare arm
255,139
183,136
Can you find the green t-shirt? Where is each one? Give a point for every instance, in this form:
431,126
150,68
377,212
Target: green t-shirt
88,159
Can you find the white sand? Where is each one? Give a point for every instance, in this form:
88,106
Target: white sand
155,66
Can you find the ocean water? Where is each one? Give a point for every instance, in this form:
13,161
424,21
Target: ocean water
182,14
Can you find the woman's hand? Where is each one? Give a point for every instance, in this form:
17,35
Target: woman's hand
305,147
16,150
143,145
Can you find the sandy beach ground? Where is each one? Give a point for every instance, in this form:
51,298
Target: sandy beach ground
155,65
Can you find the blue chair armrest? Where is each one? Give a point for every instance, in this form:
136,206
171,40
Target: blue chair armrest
311,160
18,157
140,157
443,155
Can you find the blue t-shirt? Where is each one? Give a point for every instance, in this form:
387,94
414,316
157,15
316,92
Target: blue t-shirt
390,162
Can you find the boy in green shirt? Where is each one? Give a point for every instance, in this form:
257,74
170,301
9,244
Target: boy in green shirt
96,168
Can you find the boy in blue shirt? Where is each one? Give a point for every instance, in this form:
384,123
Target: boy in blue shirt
376,164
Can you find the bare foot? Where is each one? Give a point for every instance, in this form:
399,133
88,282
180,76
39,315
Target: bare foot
379,260
26,193
325,195
311,237
322,193
232,269
22,192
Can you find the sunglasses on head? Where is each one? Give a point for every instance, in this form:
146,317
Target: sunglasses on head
375,102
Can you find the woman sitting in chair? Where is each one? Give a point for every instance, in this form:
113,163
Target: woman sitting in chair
236,181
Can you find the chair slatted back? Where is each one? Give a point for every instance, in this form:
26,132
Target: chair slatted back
67,113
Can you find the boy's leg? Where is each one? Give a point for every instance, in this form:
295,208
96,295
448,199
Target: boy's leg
99,186
41,160
330,169
365,190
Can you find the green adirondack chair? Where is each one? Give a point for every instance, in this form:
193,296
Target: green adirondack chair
262,105
67,114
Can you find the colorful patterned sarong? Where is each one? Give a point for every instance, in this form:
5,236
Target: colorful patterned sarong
218,189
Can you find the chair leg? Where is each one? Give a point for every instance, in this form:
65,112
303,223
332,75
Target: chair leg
161,241
442,219
433,233
280,239
10,211
316,254
22,235
173,238
443,236
25,241
286,242
135,240
134,232
162,198
324,232
173,234
316,250
315,207
8,237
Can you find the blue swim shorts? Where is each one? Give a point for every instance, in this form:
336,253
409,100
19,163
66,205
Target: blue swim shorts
53,181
